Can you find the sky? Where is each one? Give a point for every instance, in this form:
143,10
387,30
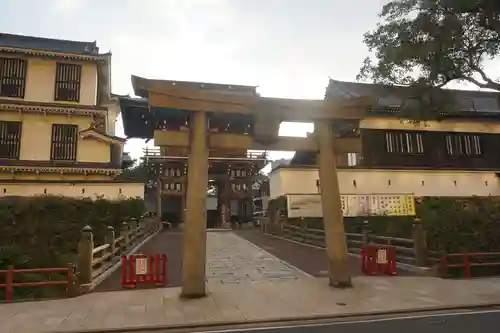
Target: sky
289,48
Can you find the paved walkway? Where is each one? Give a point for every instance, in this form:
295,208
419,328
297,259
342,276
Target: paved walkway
169,242
232,260
259,287
306,258
309,259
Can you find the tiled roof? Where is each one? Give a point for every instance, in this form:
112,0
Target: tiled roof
138,122
467,101
48,44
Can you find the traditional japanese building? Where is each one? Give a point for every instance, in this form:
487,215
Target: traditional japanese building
232,173
57,120
452,153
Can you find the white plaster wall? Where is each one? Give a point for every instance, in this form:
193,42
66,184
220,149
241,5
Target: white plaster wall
275,187
370,181
211,203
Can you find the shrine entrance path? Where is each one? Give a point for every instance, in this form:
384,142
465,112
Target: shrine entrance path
168,242
308,259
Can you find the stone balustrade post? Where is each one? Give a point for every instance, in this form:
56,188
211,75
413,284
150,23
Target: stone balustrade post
73,288
85,257
125,233
419,243
365,233
134,226
110,239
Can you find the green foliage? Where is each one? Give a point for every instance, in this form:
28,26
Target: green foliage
453,225
428,43
391,226
462,225
43,231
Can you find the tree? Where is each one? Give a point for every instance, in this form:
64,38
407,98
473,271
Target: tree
430,43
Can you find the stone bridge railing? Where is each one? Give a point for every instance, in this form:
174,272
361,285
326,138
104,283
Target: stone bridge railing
94,261
412,251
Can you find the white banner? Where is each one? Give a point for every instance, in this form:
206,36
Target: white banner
309,205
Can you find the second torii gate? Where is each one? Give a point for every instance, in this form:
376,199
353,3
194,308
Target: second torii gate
264,116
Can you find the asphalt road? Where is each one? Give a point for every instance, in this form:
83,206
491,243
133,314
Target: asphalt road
486,321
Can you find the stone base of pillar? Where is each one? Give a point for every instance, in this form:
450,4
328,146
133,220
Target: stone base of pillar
341,285
193,295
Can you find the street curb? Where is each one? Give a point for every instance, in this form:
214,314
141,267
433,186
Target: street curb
222,325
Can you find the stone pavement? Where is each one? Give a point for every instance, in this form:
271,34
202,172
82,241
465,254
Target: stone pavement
232,260
260,287
309,259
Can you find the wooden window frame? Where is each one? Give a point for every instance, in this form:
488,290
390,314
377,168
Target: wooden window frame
59,138
10,142
13,73
68,82
404,142
463,145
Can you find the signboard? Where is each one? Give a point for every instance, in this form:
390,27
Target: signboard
304,205
309,205
141,265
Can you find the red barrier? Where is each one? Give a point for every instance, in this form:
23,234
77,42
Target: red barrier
378,259
10,283
466,261
143,269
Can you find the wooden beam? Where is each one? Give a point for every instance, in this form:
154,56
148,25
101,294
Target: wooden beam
341,145
308,110
175,102
225,141
285,109
230,141
171,138
188,90
163,94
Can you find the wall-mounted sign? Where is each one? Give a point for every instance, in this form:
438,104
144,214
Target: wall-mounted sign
309,205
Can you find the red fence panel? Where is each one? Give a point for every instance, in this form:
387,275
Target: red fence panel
377,259
10,283
143,269
467,263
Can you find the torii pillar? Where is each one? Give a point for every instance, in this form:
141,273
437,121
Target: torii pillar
195,237
333,219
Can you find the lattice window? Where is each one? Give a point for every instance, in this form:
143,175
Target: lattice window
10,139
463,145
12,77
68,79
404,142
64,142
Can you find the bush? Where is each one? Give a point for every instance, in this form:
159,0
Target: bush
453,225
43,231
457,225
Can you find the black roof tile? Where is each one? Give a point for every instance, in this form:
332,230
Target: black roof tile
391,96
48,44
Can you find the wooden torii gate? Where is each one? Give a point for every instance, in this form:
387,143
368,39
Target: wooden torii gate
266,115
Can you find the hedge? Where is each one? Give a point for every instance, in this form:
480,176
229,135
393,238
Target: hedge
453,225
43,231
